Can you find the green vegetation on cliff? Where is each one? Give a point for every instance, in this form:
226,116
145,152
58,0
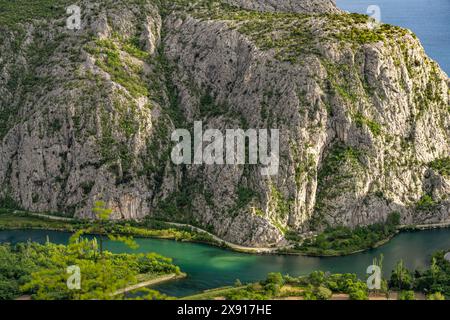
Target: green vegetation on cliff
442,166
98,105
292,35
343,240
19,11
340,167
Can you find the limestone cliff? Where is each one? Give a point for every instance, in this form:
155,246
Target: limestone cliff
363,114
298,6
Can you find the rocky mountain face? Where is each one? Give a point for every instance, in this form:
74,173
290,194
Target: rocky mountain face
298,6
363,114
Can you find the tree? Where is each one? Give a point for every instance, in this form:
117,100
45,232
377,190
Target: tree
406,295
99,280
436,296
272,289
275,278
104,279
401,277
358,294
308,293
323,293
100,227
379,262
316,278
434,270
393,219
358,291
103,214
436,278
384,287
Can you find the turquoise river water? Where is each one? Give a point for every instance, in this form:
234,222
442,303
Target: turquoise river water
209,267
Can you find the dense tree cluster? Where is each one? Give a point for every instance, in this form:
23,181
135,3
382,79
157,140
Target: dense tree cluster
41,270
435,281
343,240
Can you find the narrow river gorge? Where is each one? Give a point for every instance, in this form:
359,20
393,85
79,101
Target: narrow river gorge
207,266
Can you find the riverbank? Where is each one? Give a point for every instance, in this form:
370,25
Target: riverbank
430,226
17,219
342,254
154,280
151,282
46,270
209,267
289,292
316,286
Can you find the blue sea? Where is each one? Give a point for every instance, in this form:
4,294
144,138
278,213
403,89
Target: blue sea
429,19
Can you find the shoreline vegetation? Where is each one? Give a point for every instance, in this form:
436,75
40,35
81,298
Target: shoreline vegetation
145,281
338,241
49,272
403,284
82,269
152,281
37,271
18,219
41,271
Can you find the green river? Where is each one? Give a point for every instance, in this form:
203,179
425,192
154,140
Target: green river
209,267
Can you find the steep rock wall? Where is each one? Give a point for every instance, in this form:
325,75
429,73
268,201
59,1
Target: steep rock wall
363,116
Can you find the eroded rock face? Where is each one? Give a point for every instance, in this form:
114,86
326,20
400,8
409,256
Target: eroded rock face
299,6
79,117
363,114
